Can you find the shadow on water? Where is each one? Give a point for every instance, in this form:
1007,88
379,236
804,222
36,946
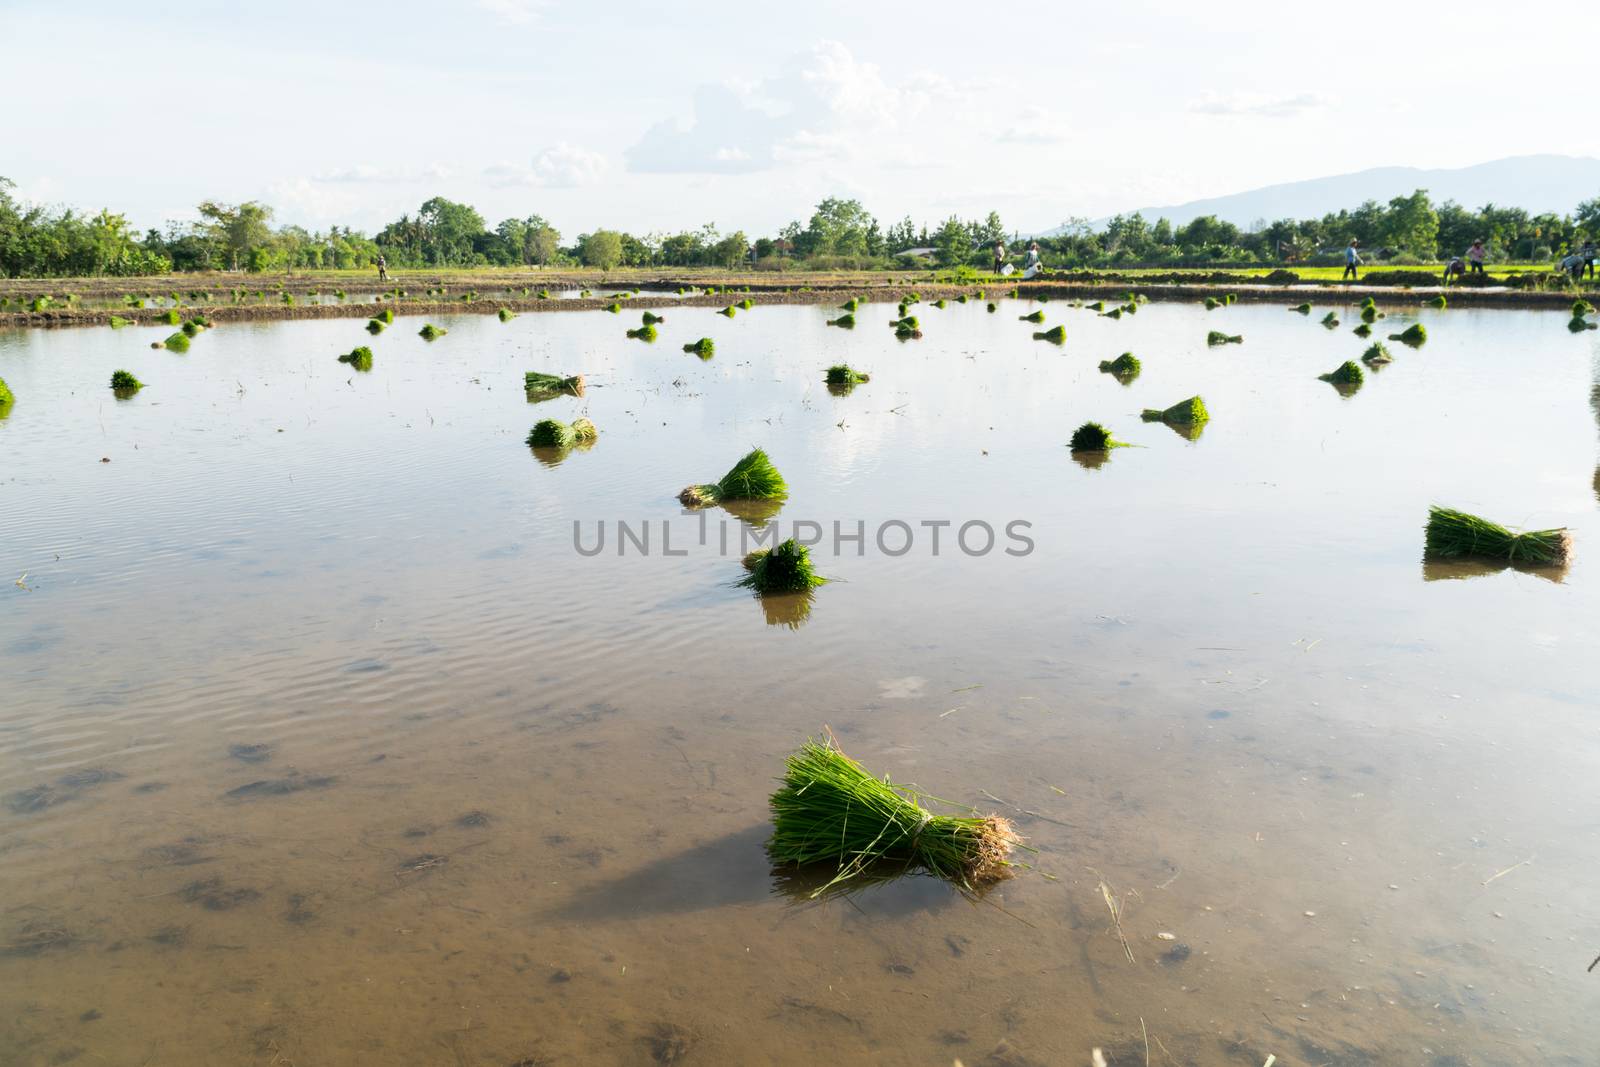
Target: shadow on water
734,869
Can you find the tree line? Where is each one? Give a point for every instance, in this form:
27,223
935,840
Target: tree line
840,233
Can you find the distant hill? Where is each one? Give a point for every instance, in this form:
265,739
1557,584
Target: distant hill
1536,183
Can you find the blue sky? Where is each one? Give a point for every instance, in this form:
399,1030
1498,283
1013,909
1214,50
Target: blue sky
661,117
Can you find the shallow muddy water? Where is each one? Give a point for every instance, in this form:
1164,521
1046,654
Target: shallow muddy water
322,744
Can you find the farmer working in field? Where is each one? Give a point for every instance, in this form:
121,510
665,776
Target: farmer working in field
1475,256
1454,269
1352,260
383,269
1589,254
999,255
1032,265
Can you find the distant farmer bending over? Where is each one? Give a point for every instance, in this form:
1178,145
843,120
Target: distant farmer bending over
1352,260
1031,264
1589,254
1454,269
1475,256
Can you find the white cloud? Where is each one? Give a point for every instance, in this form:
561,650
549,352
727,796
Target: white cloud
514,12
1259,106
1034,126
564,166
365,174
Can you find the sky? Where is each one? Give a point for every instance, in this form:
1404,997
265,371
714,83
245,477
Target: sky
661,117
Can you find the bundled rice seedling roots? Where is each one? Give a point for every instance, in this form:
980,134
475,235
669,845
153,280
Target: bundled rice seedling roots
1191,412
1217,337
843,374
847,321
1453,534
584,430
783,569
123,382
705,348
829,810
551,433
1304,309
177,342
1033,316
431,332
752,478
1376,354
1413,335
1056,335
1093,437
646,332
506,314
1346,373
540,386
1124,366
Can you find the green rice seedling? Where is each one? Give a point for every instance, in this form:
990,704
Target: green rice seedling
386,316
728,312
39,303
123,383
1098,305
1331,321
1217,337
1231,298
900,312
7,398
614,307
544,294
1015,292
551,433
1304,309
170,318
752,478
1376,355
904,332
1364,330
190,329
288,299
1191,412
1368,301
1130,308
1041,298
844,374
118,322
783,569
912,298
1032,316
1212,303
135,302
177,342
1114,313
200,321
544,386
847,321
340,293
962,299
1346,373
1413,335
1093,437
584,294
1438,301
705,348
430,332
1452,534
506,314
650,318
1056,335
828,811
1580,308
909,323
939,303
850,305
992,308
360,358
375,326
747,303
1125,367
1578,323
1370,313
646,332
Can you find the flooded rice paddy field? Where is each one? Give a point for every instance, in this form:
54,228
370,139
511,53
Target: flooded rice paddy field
321,744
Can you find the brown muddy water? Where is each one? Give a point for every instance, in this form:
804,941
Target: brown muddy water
321,744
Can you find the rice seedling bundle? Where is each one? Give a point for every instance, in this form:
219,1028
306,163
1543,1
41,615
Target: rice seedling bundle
170,318
752,478
785,568
118,322
375,326
386,316
201,321
288,299
1217,337
650,318
1376,354
992,308
939,303
912,298
1330,320
1453,534
39,303
1124,366
7,397
962,299
177,342
850,305
1370,313
614,307
1231,298
551,433
1130,308
646,332
543,294
728,311
1212,303
536,384
339,293
1056,335
1580,308
1413,335
430,332
360,358
829,810
1304,309
584,430
1114,313
909,322
190,329
124,382
900,312
843,374
1579,323
1098,305
1364,330
1033,316
1346,373
1438,301
904,332
1093,437
979,295
506,314
1191,412
705,348
847,321
747,303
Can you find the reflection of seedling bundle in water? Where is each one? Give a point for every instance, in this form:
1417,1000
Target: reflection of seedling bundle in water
1056,335
430,332
1217,337
1032,316
830,811
752,478
123,383
1454,534
1331,321
1191,412
1578,323
1376,355
647,332
544,386
1580,308
843,374
1125,367
1413,335
1346,373
847,321
784,569
1304,309
360,358
906,332
705,348
1093,437
553,433
506,314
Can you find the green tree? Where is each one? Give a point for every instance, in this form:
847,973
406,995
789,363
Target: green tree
1411,225
544,243
448,232
237,228
837,228
953,243
602,249
730,252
